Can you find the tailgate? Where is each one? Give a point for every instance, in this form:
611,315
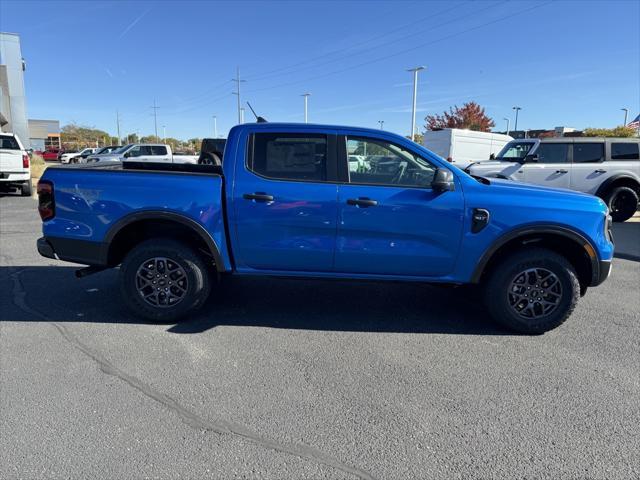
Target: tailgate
10,160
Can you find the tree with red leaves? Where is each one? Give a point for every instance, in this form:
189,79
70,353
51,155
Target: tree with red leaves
470,116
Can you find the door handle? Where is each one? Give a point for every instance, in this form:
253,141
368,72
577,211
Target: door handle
600,170
258,197
562,171
362,202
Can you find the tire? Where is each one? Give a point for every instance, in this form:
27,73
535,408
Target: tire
210,159
622,203
25,189
505,293
181,264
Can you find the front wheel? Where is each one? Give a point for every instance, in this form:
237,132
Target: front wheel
622,203
532,291
163,280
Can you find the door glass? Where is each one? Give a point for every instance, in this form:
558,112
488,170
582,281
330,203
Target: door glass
553,153
134,152
289,156
588,152
145,150
376,162
624,151
158,150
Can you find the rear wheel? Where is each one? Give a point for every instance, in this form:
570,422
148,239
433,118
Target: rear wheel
25,189
163,280
622,203
532,291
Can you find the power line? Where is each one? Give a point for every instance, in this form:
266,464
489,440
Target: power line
386,57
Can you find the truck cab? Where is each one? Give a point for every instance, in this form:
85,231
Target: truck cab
329,202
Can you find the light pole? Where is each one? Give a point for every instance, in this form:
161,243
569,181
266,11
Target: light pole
237,92
515,127
215,126
306,107
626,112
508,123
241,115
381,122
415,96
164,133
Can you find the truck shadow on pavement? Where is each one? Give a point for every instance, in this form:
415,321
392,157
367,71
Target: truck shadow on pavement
52,293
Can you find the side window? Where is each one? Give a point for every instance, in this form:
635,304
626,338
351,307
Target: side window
134,152
145,150
158,150
378,162
289,156
625,151
553,153
588,152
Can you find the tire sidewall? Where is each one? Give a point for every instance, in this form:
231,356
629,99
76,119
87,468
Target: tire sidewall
498,302
197,278
629,209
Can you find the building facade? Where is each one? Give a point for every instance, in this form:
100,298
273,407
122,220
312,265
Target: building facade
13,105
44,134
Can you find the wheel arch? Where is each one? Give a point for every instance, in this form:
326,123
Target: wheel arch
559,239
619,180
136,227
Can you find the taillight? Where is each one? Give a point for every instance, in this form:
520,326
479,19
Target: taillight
25,161
449,159
46,202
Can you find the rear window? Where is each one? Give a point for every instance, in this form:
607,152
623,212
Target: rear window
288,156
9,143
624,151
158,150
588,152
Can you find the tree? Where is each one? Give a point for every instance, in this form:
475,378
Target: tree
470,116
609,132
78,136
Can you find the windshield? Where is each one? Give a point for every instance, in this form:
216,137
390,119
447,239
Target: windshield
122,149
515,151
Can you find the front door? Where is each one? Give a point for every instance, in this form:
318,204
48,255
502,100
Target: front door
390,220
284,203
552,168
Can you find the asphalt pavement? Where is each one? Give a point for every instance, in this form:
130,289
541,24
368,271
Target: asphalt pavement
283,379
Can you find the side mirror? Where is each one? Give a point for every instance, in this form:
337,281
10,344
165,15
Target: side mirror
127,155
443,181
492,156
531,158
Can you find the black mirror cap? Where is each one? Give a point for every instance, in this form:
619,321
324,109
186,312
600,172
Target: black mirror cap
492,156
443,181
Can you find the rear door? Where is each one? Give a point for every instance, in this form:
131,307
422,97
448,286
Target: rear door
284,201
588,170
10,154
552,166
390,221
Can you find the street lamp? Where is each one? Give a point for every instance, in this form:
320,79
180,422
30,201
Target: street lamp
626,112
306,106
415,96
215,126
381,122
517,109
508,123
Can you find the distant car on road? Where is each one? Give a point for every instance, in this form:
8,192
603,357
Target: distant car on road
15,168
606,167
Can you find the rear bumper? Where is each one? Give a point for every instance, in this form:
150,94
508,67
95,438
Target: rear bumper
72,250
14,177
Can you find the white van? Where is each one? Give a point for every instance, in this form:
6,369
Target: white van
462,147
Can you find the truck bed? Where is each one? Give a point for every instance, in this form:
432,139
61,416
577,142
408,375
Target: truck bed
93,201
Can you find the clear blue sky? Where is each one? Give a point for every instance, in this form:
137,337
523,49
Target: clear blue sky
570,63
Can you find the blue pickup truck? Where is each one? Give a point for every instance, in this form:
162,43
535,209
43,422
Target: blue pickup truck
325,201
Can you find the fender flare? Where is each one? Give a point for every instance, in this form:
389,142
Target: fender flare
602,189
163,215
580,239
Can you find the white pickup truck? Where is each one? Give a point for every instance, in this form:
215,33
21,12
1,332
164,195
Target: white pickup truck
15,168
145,152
